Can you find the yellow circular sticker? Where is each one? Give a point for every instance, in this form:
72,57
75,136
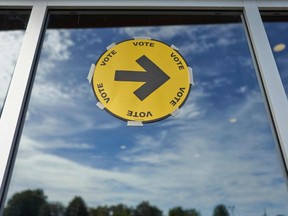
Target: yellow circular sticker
141,80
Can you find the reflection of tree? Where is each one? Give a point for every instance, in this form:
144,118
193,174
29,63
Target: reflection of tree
52,209
116,210
192,212
145,209
120,210
34,203
220,210
76,207
178,211
26,203
100,211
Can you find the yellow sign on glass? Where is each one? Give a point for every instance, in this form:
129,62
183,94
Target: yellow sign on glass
141,80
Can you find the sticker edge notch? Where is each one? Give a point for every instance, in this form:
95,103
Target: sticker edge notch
174,47
91,71
100,105
110,46
135,123
142,37
190,70
175,112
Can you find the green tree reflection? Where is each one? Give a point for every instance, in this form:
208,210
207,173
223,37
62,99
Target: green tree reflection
220,210
52,209
145,209
178,211
100,211
26,203
120,210
77,207
34,203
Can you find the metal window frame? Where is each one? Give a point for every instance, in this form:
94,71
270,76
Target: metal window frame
13,109
272,85
16,95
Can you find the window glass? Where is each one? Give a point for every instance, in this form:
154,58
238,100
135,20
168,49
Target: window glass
216,157
276,25
12,28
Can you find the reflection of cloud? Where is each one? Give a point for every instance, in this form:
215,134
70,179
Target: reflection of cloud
56,174
191,109
242,89
220,82
60,144
56,45
52,95
201,37
10,43
165,32
55,50
146,143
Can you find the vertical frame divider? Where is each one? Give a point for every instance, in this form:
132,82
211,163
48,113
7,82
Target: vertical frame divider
268,71
16,96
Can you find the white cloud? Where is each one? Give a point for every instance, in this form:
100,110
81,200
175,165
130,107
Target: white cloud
242,89
55,174
57,44
51,95
199,38
10,43
163,33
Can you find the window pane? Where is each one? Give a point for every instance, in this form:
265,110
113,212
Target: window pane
276,26
12,28
217,154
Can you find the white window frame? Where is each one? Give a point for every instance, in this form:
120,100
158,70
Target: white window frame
13,109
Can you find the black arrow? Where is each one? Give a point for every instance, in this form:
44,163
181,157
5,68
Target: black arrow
153,77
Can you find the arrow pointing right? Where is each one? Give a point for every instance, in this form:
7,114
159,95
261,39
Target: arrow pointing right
153,77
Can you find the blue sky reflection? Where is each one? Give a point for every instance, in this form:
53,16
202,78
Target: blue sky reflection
219,149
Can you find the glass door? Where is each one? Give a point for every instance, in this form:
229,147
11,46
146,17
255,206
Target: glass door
217,156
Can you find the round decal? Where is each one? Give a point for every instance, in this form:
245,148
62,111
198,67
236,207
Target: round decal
141,80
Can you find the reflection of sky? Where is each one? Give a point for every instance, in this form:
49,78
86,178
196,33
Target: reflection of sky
277,34
10,42
219,149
